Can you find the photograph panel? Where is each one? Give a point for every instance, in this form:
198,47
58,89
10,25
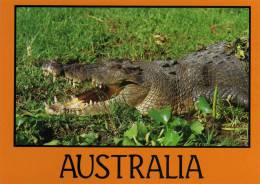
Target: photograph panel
132,76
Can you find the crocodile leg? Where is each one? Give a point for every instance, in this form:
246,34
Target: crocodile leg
154,99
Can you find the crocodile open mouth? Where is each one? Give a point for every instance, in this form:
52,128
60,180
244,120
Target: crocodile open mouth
96,99
119,85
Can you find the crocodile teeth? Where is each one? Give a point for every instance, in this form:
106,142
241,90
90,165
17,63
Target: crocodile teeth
90,102
96,83
55,99
93,82
46,105
107,102
95,103
45,73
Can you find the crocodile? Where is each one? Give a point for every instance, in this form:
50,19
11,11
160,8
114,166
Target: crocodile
146,85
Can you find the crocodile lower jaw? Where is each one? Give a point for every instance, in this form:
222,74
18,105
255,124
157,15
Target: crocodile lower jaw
84,104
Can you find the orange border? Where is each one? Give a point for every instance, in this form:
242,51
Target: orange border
42,165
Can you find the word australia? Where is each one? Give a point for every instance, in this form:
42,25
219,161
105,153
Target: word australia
133,166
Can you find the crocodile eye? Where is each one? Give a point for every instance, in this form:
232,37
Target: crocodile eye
166,65
172,72
117,66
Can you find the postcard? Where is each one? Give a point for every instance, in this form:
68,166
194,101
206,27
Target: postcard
123,92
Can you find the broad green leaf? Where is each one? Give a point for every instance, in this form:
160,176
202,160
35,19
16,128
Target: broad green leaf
52,143
132,132
177,122
117,140
203,105
88,138
171,138
128,142
142,130
190,141
161,115
196,127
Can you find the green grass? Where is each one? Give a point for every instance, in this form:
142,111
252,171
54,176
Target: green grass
93,34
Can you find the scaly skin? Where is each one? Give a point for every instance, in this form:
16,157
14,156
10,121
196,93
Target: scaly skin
146,85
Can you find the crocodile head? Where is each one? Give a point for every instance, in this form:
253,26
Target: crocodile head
117,74
112,82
